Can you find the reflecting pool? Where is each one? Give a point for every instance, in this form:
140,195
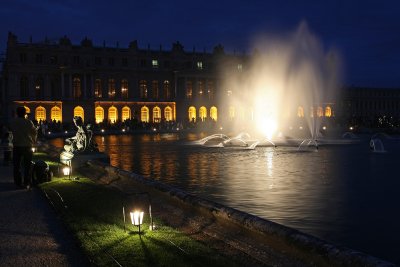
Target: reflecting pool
345,194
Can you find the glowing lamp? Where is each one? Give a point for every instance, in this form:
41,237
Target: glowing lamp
33,149
49,132
102,130
351,128
66,131
66,170
324,128
136,214
123,130
137,217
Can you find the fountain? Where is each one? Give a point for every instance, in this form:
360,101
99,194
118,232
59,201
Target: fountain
376,145
290,83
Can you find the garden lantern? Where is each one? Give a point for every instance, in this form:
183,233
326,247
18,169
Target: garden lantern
136,206
137,218
66,170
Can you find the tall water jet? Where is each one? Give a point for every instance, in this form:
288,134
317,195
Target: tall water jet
289,83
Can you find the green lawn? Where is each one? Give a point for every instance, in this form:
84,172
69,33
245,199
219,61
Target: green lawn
94,214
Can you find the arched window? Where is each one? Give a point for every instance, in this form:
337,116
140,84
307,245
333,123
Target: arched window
111,88
39,88
40,113
154,88
189,89
79,112
242,113
55,113
320,112
168,113
98,89
124,88
214,113
231,113
203,113
77,88
126,113
143,88
167,90
99,114
24,87
144,114
192,114
156,114
112,114
300,112
328,111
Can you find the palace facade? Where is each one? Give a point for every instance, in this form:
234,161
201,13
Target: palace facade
56,81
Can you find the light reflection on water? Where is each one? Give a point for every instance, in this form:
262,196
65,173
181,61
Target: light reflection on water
344,194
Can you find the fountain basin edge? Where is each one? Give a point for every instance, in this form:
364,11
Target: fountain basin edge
308,245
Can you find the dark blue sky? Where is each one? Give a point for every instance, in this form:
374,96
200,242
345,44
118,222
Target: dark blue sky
367,33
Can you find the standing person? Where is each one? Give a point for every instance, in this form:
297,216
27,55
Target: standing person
24,137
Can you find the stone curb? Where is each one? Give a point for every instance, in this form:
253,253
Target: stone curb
338,255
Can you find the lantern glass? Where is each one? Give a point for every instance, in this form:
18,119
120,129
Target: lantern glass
66,170
33,149
137,217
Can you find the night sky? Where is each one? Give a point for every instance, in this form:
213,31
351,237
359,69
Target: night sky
366,33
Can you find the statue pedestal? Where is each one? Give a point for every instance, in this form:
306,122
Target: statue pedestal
79,160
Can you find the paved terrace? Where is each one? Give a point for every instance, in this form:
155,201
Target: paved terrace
31,234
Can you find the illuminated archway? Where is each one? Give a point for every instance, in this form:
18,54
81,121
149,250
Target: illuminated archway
78,111
144,114
203,113
112,114
328,111
55,114
214,113
126,113
300,112
320,112
156,114
99,114
231,113
168,113
40,113
192,113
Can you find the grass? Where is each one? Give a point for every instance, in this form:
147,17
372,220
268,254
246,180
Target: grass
94,214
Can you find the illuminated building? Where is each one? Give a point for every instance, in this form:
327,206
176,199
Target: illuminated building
59,80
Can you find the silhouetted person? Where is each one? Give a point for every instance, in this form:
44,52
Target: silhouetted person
24,137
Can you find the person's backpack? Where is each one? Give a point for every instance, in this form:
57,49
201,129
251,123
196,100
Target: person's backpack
41,172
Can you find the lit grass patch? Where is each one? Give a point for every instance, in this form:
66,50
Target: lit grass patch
94,213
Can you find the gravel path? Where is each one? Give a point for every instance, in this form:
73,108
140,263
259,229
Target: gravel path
30,232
